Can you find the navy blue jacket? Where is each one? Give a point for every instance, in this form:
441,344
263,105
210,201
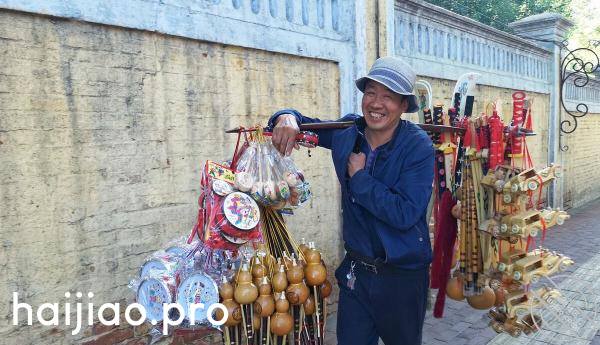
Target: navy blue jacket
391,199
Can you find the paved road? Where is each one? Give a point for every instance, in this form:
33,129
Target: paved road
578,238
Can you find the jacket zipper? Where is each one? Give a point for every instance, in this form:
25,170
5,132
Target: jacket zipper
374,161
373,175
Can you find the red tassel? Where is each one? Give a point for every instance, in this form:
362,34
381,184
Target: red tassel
446,229
436,264
496,141
468,135
529,124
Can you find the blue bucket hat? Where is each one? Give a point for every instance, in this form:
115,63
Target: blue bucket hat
396,75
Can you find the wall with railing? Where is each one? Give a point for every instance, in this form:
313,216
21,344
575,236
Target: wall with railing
588,94
442,44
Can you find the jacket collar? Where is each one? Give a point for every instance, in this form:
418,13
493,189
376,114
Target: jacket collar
360,124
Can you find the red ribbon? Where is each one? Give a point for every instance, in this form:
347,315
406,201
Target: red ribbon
235,157
468,135
543,230
517,120
446,230
201,208
530,242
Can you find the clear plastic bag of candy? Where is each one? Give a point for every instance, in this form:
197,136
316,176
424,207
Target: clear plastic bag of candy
246,168
271,179
299,187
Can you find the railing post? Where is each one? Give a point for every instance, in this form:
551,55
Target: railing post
548,30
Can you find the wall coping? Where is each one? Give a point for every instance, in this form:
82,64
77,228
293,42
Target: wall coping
441,44
542,19
448,18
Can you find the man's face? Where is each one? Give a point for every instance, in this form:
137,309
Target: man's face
381,107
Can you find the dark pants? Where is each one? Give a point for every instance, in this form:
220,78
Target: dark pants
389,304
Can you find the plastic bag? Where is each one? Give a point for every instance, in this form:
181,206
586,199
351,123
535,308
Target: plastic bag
271,179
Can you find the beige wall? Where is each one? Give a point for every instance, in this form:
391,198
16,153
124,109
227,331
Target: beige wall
103,133
376,21
582,162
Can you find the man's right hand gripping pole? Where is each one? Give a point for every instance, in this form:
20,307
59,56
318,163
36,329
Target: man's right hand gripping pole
284,134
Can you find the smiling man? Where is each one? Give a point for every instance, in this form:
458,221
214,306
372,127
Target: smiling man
385,168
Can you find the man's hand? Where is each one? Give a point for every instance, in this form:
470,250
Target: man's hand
284,134
356,161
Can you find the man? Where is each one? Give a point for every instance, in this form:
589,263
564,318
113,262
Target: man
385,168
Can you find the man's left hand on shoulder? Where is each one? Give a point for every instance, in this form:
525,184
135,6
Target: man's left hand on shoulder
356,162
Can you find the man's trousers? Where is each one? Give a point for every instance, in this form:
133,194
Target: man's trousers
387,303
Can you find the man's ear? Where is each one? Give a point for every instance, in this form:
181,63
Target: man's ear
404,104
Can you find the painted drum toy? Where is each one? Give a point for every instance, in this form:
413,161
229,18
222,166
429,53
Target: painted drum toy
221,187
241,211
195,288
159,264
152,293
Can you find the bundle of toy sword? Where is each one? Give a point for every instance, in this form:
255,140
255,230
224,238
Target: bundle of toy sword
487,214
